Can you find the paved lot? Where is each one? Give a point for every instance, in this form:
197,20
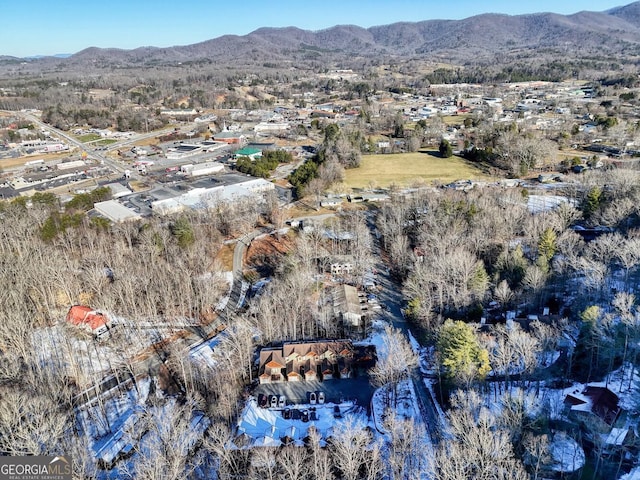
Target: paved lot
335,391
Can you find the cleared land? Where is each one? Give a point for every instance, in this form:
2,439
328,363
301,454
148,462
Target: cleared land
225,257
409,168
8,163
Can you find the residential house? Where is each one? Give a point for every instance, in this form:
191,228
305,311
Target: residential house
594,404
346,306
329,202
89,319
179,112
272,366
341,265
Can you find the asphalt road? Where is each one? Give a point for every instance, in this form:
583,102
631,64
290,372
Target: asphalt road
390,294
92,154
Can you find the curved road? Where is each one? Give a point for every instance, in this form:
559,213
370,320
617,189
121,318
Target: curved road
390,294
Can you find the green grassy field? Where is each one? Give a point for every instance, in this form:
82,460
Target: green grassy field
410,168
105,142
89,137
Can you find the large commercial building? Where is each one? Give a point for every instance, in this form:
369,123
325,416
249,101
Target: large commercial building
208,197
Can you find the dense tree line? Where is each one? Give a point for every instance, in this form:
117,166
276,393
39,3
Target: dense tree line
264,165
150,271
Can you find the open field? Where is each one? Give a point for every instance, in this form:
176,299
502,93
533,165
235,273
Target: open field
409,168
301,209
9,163
105,142
89,137
455,119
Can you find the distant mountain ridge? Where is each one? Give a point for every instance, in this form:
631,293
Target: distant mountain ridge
481,38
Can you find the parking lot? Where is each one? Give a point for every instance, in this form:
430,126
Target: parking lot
335,390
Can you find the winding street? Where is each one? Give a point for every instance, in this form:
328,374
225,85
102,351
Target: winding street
390,294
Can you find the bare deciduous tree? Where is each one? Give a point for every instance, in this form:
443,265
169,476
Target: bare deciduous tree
394,363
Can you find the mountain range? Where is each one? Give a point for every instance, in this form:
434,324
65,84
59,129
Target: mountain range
485,38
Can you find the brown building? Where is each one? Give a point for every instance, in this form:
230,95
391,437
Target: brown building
594,404
321,360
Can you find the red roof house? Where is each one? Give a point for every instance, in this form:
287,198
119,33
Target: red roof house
84,316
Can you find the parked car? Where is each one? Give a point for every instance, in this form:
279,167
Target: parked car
274,401
336,412
305,416
312,398
282,401
320,398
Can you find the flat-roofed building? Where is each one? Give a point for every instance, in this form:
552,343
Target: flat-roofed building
118,190
116,212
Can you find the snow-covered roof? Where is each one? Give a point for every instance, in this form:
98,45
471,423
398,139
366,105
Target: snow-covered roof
597,399
616,436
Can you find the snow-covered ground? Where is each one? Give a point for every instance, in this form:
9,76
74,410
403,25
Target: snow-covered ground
108,421
375,335
632,475
543,203
75,354
222,304
205,353
567,456
404,405
122,423
259,427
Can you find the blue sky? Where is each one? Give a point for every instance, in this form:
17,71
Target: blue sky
47,27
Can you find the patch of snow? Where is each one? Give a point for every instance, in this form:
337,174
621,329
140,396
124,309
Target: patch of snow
404,406
632,475
266,426
567,455
72,353
375,336
222,304
441,415
545,203
108,422
616,436
204,353
546,359
243,294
